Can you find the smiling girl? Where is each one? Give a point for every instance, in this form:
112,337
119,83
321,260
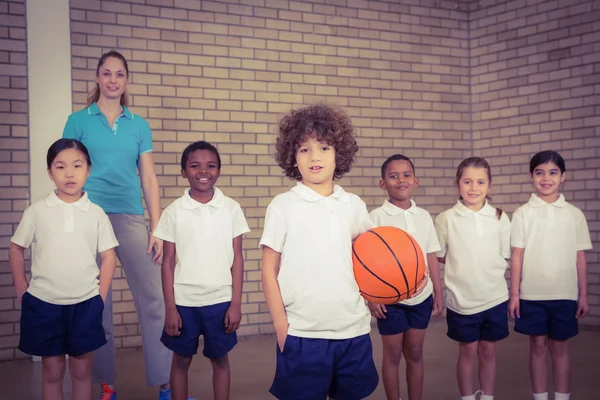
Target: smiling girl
475,241
548,291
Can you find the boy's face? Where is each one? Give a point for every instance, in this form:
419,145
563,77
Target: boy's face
201,171
400,181
316,162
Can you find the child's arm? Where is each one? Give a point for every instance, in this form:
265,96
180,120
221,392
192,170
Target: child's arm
270,270
172,317
107,271
515,281
16,258
582,302
233,317
436,280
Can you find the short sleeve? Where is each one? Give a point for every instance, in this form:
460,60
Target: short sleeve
442,234
582,239
517,230
240,225
433,244
374,215
505,236
275,229
363,221
25,232
165,230
145,137
106,235
71,131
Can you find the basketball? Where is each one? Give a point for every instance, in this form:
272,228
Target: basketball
388,264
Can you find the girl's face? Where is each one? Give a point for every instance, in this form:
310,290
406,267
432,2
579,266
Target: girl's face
112,79
474,185
69,171
546,180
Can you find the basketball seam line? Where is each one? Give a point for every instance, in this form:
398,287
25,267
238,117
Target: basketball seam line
395,258
372,273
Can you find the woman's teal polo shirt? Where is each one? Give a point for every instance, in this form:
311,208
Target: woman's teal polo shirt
115,151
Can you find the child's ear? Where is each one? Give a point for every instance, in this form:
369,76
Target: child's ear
563,176
50,175
183,173
416,182
382,185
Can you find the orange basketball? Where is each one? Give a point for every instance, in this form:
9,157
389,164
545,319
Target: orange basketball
388,264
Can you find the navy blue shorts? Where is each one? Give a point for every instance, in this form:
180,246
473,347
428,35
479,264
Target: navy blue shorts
312,369
401,317
53,330
490,325
552,318
208,321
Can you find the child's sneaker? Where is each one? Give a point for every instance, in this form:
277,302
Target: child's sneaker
108,393
166,395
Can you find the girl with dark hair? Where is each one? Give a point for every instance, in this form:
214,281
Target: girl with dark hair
120,145
548,285
475,242
62,304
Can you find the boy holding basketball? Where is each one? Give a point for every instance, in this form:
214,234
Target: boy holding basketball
321,321
402,325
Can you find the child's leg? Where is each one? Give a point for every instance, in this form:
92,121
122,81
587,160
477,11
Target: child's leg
390,368
179,376
487,366
561,365
53,373
467,352
413,354
221,377
80,368
537,363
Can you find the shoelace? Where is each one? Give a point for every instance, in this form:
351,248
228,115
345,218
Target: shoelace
106,392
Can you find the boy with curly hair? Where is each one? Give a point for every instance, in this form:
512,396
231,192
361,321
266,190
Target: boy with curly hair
321,321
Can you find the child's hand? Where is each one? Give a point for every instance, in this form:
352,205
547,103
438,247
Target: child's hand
421,286
438,306
377,310
281,338
21,291
514,307
582,307
173,322
233,317
155,247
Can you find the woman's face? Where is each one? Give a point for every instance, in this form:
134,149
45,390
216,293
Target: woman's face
112,79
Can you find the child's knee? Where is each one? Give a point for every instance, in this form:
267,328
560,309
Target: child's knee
393,354
558,348
539,345
54,371
220,362
468,350
181,362
486,351
414,353
81,371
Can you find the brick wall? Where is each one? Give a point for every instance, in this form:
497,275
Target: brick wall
535,69
225,71
14,157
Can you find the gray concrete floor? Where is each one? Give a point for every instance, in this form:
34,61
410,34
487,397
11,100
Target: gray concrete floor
253,365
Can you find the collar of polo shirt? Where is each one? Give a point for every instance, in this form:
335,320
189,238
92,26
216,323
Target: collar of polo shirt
391,209
535,201
310,195
463,211
83,203
93,109
218,200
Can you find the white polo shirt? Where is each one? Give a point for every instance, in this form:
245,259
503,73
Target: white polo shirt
67,238
551,234
314,235
203,235
419,224
476,246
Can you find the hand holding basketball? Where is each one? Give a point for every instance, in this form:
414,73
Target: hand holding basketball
389,265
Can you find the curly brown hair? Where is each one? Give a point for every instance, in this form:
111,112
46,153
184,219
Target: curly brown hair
327,124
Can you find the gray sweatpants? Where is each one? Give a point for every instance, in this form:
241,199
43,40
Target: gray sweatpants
143,277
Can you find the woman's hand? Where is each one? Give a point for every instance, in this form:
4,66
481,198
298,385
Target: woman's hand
155,244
